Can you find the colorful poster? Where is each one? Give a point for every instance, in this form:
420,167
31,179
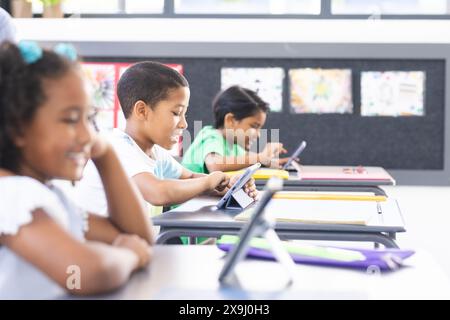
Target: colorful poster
392,93
267,82
104,119
321,90
101,84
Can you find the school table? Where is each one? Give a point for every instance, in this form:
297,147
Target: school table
191,272
199,218
336,178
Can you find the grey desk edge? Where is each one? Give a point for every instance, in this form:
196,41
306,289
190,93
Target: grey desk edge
190,225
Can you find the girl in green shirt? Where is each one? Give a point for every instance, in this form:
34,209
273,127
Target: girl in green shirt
239,115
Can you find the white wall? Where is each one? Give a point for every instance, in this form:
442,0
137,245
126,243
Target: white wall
236,30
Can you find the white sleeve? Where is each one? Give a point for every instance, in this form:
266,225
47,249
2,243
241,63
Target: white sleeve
19,197
171,168
132,160
89,193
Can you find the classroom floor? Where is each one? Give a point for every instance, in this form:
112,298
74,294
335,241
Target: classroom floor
426,211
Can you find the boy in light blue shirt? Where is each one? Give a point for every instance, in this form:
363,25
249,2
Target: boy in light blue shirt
154,99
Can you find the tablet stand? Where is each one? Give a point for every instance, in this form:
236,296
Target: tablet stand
259,226
239,200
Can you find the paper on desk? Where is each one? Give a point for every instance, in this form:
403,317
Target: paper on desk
311,211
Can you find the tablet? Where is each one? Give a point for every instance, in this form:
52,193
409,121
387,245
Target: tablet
243,179
250,229
295,155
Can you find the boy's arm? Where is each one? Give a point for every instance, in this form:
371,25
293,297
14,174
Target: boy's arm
175,191
250,187
188,174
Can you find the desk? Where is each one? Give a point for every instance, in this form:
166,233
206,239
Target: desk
191,272
197,218
331,178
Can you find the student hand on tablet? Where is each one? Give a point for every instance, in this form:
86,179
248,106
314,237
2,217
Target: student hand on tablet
277,163
136,244
269,157
249,187
221,182
218,182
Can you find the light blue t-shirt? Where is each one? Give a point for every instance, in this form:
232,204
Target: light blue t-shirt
89,191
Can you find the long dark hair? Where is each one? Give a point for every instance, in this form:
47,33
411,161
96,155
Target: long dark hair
239,101
21,94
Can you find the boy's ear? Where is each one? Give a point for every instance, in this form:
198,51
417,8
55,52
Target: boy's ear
141,110
229,120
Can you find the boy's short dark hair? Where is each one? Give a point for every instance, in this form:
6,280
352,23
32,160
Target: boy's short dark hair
147,81
239,101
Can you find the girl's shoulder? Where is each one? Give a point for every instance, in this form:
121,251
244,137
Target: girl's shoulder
20,196
5,173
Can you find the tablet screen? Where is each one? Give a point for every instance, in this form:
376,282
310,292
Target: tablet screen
295,155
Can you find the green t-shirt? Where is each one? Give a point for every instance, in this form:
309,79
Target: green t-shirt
208,140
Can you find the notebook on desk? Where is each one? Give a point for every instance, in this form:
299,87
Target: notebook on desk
342,173
324,212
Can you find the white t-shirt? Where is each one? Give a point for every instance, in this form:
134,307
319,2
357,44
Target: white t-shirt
89,192
7,29
19,197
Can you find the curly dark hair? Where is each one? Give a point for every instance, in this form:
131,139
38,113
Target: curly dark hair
22,93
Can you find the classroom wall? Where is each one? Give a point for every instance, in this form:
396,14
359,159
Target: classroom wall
413,148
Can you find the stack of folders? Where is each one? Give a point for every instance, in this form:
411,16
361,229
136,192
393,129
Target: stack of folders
326,208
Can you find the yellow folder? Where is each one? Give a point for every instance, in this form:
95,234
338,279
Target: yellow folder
264,174
293,195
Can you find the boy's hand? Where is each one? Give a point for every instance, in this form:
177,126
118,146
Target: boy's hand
218,181
250,189
136,244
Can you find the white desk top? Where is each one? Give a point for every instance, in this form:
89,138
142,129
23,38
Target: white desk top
391,217
191,272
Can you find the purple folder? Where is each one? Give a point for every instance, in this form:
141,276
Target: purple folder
383,259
